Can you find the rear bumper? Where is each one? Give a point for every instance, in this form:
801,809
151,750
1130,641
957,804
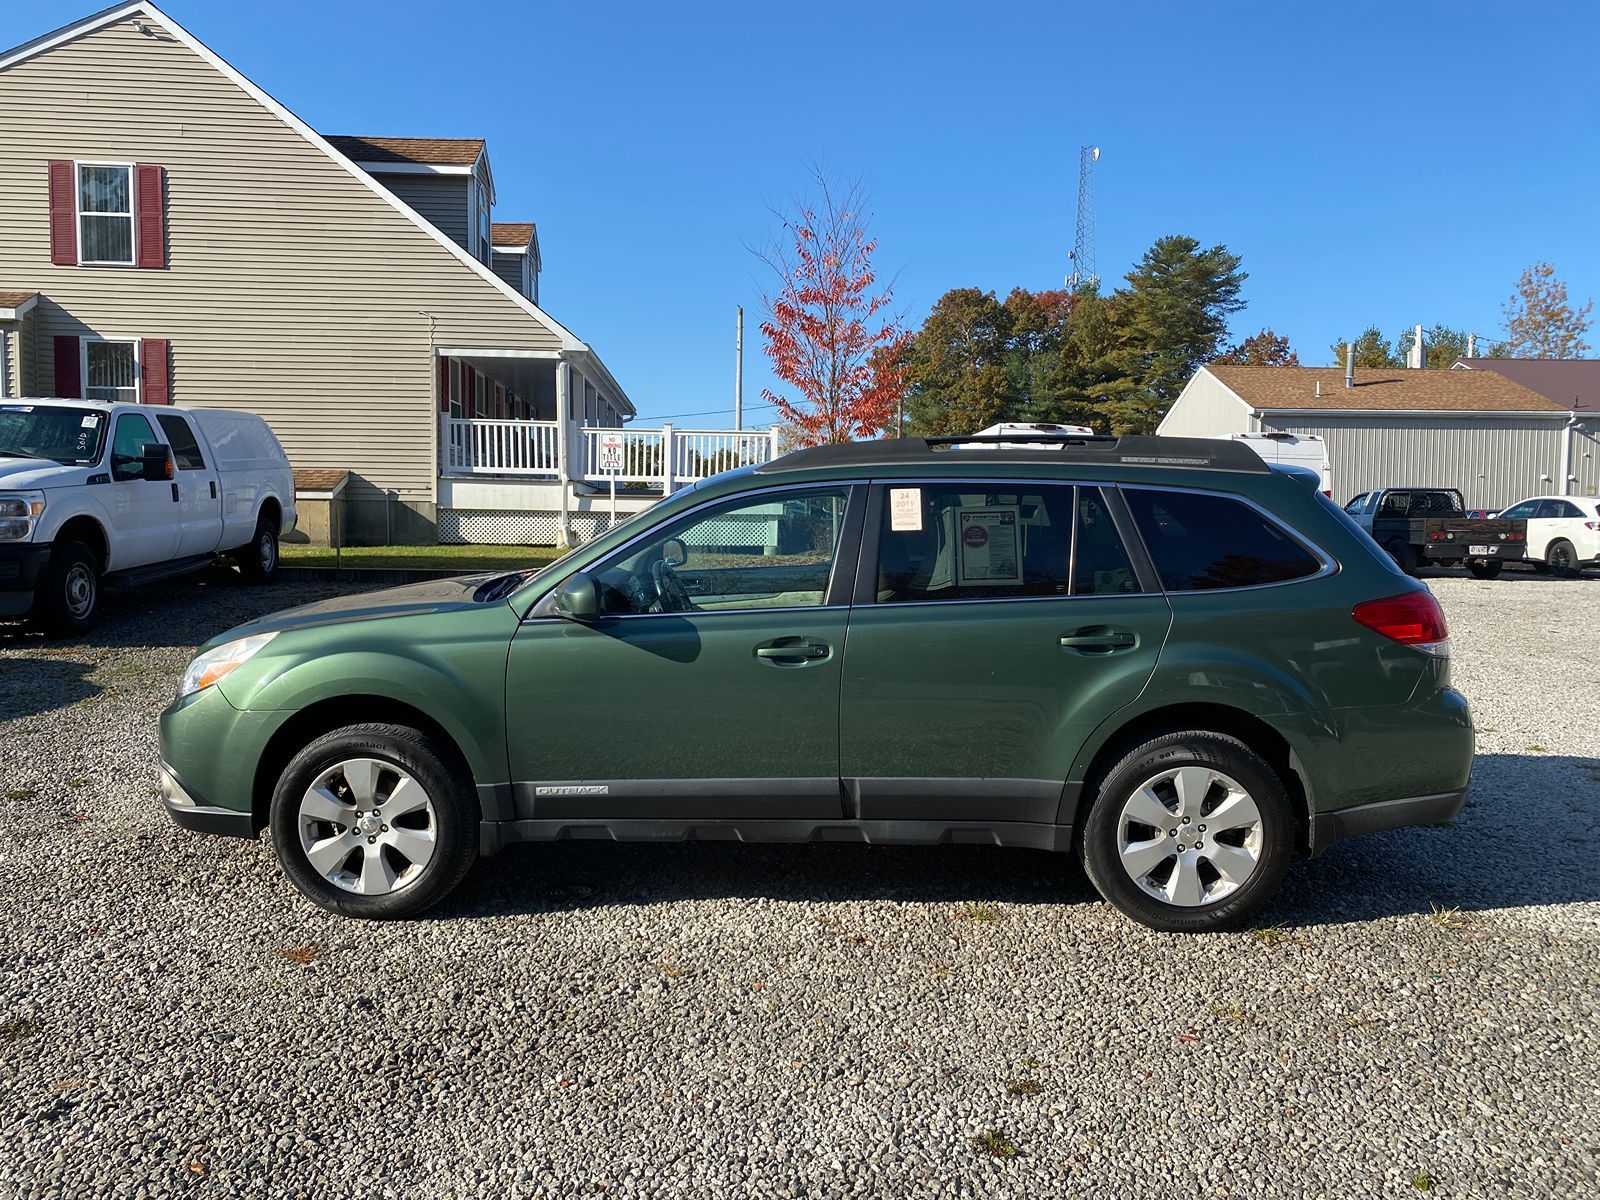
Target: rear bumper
1331,827
22,566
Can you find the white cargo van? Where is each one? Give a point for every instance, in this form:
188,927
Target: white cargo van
1291,449
95,494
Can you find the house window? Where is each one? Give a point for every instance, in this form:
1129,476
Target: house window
455,389
486,252
105,214
111,371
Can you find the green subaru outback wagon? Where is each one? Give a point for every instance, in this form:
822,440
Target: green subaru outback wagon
1161,654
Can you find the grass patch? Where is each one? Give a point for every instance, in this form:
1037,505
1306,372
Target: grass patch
77,783
18,1028
1422,1181
1537,749
21,794
1446,918
1232,1012
1023,1087
435,558
1270,935
983,914
995,1144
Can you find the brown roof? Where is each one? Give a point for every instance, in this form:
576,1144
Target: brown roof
1385,388
435,152
511,233
13,299
318,479
1570,383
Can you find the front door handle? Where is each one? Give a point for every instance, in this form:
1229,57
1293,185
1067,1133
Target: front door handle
1098,640
793,652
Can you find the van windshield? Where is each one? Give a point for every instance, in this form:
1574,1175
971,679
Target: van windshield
71,436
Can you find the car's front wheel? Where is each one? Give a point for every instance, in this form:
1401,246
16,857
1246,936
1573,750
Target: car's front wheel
1189,833
258,562
68,600
374,821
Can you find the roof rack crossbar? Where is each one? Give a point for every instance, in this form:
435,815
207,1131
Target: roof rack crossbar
1042,439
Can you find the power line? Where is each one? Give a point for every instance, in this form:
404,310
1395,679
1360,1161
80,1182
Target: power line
710,412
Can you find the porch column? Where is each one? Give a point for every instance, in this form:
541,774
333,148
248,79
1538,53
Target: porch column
563,447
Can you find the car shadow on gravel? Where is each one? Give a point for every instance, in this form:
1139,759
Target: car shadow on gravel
1527,837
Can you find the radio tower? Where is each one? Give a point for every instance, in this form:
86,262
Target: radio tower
1083,275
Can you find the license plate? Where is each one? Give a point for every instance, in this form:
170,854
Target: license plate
1482,549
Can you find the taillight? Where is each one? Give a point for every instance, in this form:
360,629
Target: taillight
1592,525
1412,619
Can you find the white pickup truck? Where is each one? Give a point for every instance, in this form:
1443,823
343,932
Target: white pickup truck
94,494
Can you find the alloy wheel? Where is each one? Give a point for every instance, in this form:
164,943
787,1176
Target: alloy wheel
1189,836
367,826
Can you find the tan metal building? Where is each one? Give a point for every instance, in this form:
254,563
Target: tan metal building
1480,431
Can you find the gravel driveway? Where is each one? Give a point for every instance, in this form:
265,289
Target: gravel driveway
1419,1017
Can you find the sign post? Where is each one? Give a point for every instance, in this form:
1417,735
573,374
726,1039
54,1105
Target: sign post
611,464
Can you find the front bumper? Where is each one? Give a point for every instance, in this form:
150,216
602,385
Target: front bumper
22,567
209,752
187,811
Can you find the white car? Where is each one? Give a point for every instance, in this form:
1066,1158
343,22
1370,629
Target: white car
1563,531
95,494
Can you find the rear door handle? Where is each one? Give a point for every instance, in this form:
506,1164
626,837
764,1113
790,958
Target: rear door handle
793,652
1104,640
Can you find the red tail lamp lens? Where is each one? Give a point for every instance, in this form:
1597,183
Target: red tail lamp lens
1412,619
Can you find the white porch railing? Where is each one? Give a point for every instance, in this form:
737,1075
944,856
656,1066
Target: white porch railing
664,457
481,447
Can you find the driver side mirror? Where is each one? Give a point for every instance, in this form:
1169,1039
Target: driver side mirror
578,599
155,462
674,553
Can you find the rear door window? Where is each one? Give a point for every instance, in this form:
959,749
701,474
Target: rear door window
185,449
1557,509
1200,541
983,541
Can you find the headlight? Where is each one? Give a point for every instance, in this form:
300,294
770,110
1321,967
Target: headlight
18,512
221,661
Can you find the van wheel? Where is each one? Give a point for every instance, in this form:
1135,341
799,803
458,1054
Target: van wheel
374,821
68,602
1561,558
1485,570
1189,833
258,562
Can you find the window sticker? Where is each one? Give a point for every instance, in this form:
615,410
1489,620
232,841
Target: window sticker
89,422
989,545
16,408
905,510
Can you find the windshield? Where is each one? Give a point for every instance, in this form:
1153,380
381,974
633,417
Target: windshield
71,436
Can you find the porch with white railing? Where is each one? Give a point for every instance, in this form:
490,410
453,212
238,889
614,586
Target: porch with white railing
661,459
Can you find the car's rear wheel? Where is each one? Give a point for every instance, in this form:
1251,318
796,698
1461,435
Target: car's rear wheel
1189,833
1485,570
258,562
68,601
1561,558
374,821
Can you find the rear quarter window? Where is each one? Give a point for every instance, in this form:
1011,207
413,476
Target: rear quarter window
1199,542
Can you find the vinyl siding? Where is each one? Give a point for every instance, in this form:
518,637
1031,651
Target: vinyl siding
292,291
1493,461
1205,408
1585,453
440,198
509,268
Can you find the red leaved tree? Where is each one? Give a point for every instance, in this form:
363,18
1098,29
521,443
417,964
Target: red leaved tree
828,328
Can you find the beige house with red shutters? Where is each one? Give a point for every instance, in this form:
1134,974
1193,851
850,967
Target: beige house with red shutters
369,308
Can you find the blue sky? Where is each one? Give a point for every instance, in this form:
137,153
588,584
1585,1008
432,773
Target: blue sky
1371,162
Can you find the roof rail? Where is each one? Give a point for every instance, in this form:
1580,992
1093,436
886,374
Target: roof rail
1127,450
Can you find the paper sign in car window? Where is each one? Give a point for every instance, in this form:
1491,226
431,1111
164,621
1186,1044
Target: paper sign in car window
988,546
905,510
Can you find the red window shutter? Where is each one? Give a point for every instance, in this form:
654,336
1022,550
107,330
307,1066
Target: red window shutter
444,385
470,381
150,211
63,215
69,385
155,370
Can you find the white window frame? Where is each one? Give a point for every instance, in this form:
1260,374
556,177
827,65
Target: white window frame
79,214
5,364
138,366
455,388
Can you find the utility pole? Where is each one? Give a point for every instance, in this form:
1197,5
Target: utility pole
738,370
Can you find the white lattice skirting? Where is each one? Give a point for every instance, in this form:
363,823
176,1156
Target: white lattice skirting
466,526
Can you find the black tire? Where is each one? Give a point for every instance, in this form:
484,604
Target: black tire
68,601
1561,558
1486,570
258,561
1405,557
453,818
1273,840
